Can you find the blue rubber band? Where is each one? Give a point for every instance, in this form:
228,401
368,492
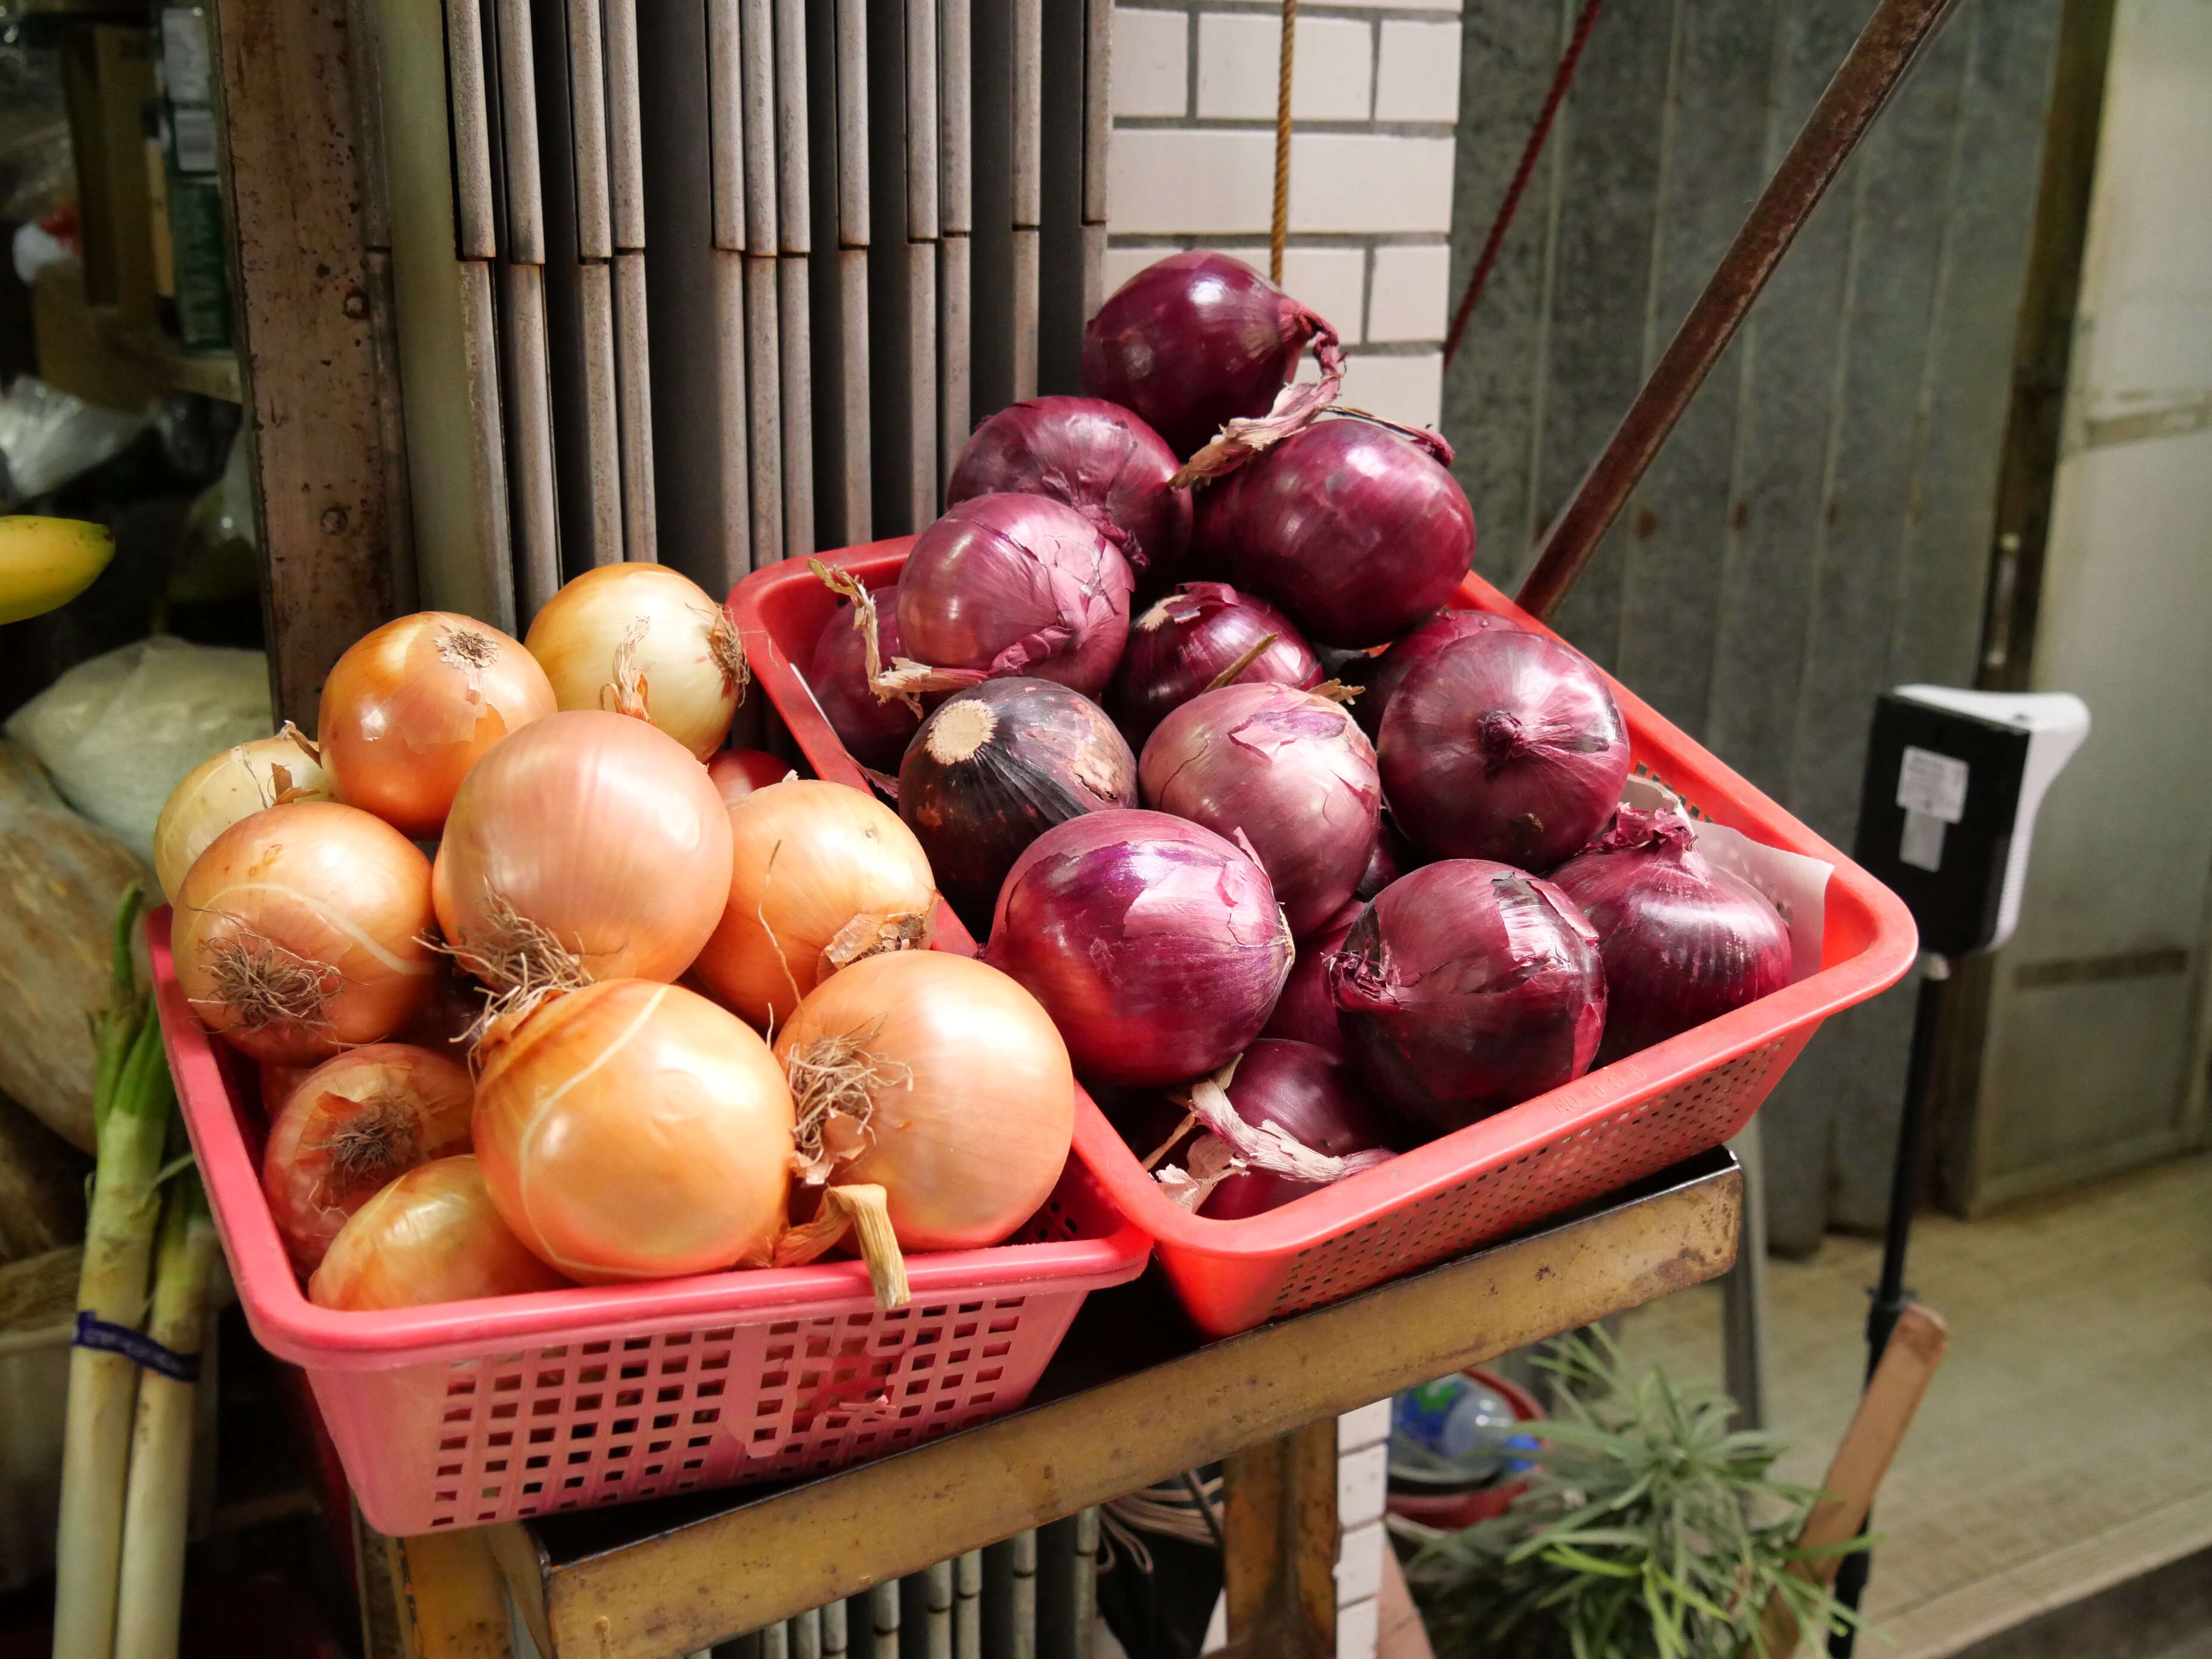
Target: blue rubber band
137,1347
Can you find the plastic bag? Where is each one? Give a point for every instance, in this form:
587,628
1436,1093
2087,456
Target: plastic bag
48,437
118,733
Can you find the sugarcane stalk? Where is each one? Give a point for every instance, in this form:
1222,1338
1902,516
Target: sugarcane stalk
150,1597
133,1119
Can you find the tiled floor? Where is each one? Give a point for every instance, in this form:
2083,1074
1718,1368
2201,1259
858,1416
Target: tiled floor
2067,1442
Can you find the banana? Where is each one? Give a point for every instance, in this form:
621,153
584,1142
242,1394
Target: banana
46,562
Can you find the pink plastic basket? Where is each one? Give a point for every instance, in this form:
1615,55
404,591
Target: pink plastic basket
474,1412
1603,1130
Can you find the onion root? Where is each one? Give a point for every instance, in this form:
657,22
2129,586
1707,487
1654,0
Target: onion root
834,1080
265,984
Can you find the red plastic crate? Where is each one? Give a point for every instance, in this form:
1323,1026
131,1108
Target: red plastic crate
468,1412
1600,1131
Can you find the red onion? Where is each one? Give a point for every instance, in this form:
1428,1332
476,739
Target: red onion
1503,745
1196,340
1306,1012
997,766
874,730
1098,458
1178,649
1156,946
1466,988
1015,584
1684,940
1287,768
1381,677
1309,1094
1354,528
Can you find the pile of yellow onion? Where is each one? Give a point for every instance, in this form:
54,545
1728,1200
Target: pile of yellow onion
558,825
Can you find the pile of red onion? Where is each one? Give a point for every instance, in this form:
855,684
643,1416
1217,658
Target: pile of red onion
1502,744
1357,529
1306,1093
1013,584
1289,770
1306,1011
1184,643
1197,340
1466,988
1157,946
1684,941
995,767
1099,458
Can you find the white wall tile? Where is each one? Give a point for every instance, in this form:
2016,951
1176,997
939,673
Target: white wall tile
1359,1563
1409,300
1239,58
1407,389
1353,181
1194,180
1152,62
1417,76
1358,1627
1370,1424
1361,1478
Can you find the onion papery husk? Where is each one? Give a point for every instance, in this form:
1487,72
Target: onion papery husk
1233,1145
1204,348
1202,637
1354,527
849,669
1465,987
995,767
1504,745
1683,940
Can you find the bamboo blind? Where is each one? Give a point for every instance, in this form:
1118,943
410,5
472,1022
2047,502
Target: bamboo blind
720,282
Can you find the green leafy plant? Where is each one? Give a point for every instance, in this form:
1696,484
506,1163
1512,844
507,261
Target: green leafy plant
1648,1530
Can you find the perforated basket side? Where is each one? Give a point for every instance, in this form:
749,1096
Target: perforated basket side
612,1419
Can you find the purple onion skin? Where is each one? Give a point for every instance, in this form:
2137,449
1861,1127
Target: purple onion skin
1098,458
1313,1095
1381,677
1306,1012
1156,946
1192,341
1288,768
1179,646
995,767
874,731
1466,988
1503,745
1684,941
1355,532
1013,584
1390,860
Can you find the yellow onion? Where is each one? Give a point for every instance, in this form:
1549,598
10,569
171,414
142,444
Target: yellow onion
301,931
431,1235
820,875
589,847
939,1079
634,1130
351,1127
226,788
643,639
411,707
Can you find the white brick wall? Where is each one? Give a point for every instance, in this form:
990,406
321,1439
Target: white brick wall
1374,98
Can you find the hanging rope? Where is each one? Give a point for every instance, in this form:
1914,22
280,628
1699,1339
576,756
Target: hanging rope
1560,78
1280,229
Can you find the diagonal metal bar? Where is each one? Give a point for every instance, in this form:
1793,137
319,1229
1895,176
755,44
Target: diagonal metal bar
1870,71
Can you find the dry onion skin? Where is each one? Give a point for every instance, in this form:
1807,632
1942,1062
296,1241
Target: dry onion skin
411,707
820,876
431,1235
302,930
351,1127
939,1079
589,847
634,1130
223,788
643,639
